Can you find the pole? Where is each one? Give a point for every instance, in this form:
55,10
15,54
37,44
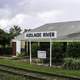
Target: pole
27,48
50,52
38,44
30,52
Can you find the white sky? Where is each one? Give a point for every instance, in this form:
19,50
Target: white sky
33,13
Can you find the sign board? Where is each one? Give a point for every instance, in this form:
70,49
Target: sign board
42,54
49,34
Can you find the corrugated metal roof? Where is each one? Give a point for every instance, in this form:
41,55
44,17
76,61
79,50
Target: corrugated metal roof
62,28
65,30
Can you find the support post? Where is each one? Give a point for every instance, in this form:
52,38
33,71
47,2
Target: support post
27,48
30,52
38,44
50,52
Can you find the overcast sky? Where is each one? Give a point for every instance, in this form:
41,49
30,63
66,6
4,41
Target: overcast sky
33,13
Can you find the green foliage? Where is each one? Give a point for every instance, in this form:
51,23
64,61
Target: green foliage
6,51
21,54
73,49
58,52
72,64
4,38
34,49
26,30
41,69
8,76
15,31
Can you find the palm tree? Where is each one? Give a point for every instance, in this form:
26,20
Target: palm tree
15,31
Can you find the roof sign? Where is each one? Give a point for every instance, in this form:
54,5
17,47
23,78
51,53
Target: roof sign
49,34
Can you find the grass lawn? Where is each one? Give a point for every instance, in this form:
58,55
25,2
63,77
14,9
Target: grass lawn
51,70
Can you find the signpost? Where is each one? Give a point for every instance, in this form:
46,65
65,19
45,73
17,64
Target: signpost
30,52
50,52
49,34
41,35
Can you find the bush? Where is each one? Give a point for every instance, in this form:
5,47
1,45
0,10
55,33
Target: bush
34,49
58,52
6,51
72,63
73,50
21,54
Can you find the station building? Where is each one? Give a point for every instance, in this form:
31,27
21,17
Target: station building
44,36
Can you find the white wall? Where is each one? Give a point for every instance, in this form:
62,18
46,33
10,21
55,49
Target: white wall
18,47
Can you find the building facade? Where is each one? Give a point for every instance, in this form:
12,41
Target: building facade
65,32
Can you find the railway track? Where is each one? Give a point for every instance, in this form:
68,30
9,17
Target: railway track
25,73
33,74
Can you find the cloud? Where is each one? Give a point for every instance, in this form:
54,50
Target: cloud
17,20
26,21
5,13
33,13
3,23
50,16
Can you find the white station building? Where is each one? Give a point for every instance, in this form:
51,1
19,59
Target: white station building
52,32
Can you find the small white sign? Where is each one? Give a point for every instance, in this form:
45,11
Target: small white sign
42,54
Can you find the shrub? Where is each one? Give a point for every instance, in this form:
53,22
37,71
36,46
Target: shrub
72,63
58,52
6,51
34,49
67,63
73,50
21,54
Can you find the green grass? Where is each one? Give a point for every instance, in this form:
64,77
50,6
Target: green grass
7,76
51,70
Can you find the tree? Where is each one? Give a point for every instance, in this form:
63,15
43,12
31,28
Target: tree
15,31
1,34
26,30
4,38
